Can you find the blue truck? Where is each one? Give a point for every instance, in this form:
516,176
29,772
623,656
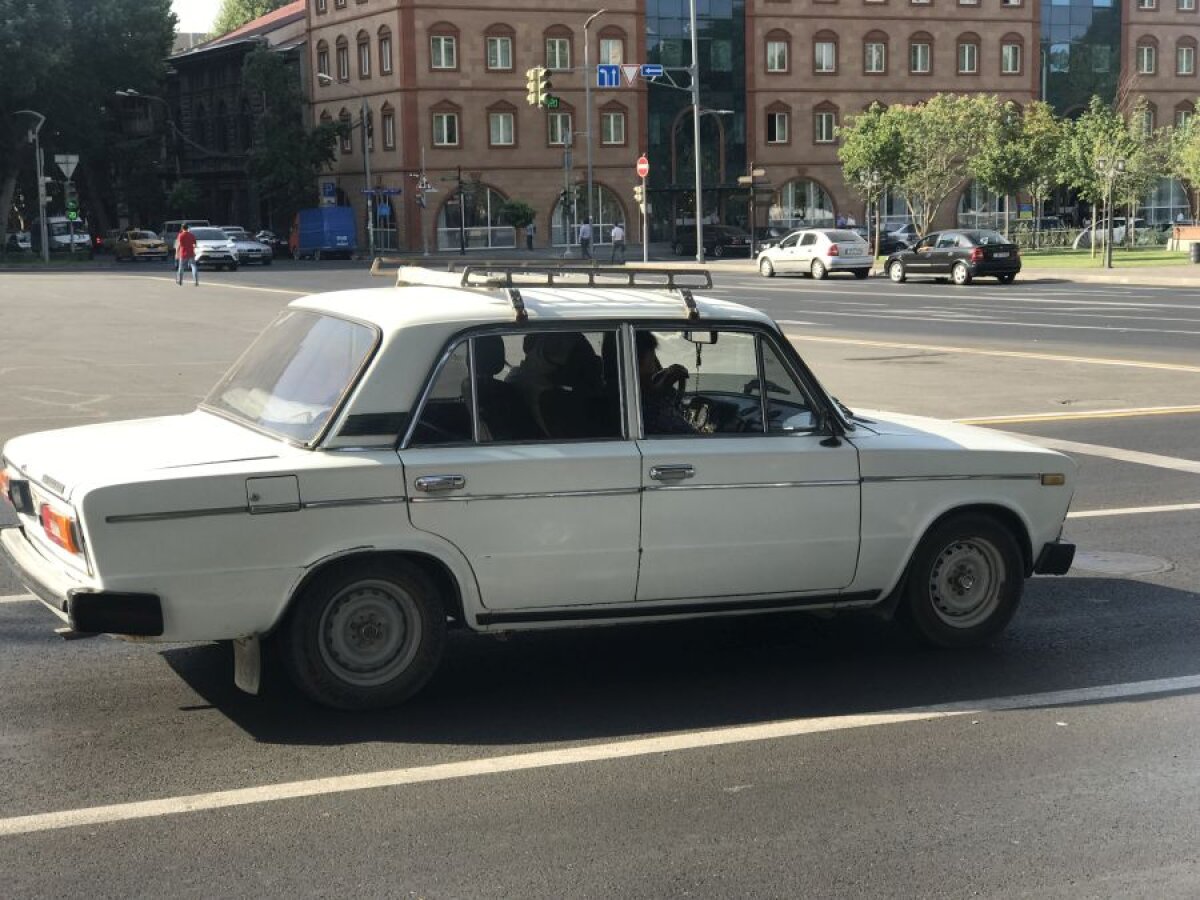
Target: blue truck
324,231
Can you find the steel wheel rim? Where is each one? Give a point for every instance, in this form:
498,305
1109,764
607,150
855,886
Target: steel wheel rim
765,267
964,582
818,269
896,271
960,274
369,633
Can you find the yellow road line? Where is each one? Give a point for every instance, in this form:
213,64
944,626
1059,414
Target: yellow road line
1012,354
1082,415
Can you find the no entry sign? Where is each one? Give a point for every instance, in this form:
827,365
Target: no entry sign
643,167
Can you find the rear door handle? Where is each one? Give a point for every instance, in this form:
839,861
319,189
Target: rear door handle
432,484
672,472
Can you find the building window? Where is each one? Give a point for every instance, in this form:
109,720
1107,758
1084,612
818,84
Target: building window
500,129
1010,59
1147,4
875,57
499,53
389,128
385,51
558,53
824,122
1185,60
1011,2
968,58
322,60
777,56
443,50
1147,59
1187,6
364,55
824,56
445,129
919,58
558,128
343,59
777,128
1149,118
339,4
612,51
612,128
322,7
968,2
345,122
1183,115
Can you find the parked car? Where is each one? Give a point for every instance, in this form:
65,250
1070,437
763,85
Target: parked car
906,232
518,463
19,242
818,252
768,236
888,243
277,243
1083,240
171,228
214,249
137,243
62,234
719,241
324,231
246,248
961,255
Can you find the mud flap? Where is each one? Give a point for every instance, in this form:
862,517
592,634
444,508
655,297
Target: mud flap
247,664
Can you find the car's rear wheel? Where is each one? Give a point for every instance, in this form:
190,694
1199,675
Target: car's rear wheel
964,581
1006,279
766,268
266,262
861,273
819,271
896,272
365,636
679,248
718,251
961,274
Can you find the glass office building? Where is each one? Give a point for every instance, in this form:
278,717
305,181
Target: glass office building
1080,53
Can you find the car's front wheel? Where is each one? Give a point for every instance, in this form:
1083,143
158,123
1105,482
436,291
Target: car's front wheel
1006,279
819,271
766,268
861,273
964,581
365,635
896,272
679,248
961,274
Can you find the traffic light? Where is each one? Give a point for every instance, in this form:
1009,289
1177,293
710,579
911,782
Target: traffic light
533,85
639,195
544,86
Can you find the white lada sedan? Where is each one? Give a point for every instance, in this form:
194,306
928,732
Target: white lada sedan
507,450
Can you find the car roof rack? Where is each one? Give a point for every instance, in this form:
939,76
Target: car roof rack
522,275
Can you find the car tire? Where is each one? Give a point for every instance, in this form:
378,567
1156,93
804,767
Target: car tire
963,583
678,248
267,262
316,256
861,273
896,272
766,268
365,635
960,274
1006,279
819,272
718,251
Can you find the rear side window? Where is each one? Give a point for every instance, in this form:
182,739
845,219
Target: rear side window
446,416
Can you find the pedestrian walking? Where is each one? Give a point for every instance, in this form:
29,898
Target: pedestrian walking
530,231
585,239
618,242
185,254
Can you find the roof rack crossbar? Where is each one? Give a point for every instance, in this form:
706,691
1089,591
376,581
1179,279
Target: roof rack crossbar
518,303
510,275
690,302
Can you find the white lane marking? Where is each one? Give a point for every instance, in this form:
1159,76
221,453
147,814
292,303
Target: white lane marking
1015,354
1133,510
1174,463
1125,413
16,598
222,284
672,743
904,316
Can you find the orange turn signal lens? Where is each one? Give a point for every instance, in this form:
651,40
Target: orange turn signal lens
60,528
5,478
1054,479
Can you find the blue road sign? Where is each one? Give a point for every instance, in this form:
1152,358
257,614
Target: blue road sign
608,75
651,70
328,189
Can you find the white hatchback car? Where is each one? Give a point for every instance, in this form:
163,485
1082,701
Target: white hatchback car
502,450
817,252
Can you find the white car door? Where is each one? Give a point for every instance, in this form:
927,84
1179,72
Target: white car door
784,255
520,460
743,493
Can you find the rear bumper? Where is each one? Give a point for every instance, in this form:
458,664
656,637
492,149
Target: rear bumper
45,580
1055,559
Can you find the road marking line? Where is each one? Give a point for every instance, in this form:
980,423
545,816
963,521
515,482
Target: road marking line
1128,412
1174,463
1013,354
903,316
1133,510
720,737
16,598
221,284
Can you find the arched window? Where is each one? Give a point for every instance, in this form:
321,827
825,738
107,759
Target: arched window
343,58
778,52
1184,112
502,125
614,118
559,46
560,125
1185,57
981,208
875,53
498,48
443,47
920,53
385,50
387,120
967,53
778,123
1012,54
1146,55
322,60
802,203
611,45
825,53
570,212
825,122
346,122
894,211
445,118
1149,118
364,54
481,226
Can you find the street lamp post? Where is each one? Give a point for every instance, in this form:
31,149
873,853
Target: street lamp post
587,106
1111,169
694,71
41,180
364,112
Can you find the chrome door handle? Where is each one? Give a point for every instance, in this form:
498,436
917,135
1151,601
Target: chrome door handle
432,484
674,472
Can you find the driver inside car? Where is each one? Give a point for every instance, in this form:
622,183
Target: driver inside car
662,390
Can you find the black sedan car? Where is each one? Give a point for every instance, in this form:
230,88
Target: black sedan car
960,254
719,240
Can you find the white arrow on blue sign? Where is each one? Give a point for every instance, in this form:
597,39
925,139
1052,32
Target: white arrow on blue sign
608,75
652,70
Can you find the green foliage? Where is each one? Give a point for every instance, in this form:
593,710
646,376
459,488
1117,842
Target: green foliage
1099,133
286,157
236,13
872,150
184,198
1041,137
1185,157
517,213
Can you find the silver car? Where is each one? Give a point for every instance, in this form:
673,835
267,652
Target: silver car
246,248
817,252
214,249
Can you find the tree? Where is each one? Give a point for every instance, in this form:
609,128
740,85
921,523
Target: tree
1100,133
184,197
236,13
1002,165
1185,159
286,157
1041,135
1148,160
872,156
517,213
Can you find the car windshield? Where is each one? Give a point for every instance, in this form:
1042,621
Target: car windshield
143,236
59,229
209,234
294,375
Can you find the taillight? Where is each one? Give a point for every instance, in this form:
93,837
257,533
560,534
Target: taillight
5,478
977,255
832,251
61,529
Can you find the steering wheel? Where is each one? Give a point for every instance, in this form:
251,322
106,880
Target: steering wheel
671,380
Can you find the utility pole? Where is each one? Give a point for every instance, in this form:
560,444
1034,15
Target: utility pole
41,177
462,217
587,103
694,71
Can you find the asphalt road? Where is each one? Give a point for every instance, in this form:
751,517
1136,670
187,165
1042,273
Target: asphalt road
776,756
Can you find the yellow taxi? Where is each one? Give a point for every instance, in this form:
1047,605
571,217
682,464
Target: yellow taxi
136,243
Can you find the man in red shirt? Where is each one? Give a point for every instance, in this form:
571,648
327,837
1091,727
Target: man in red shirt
185,254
